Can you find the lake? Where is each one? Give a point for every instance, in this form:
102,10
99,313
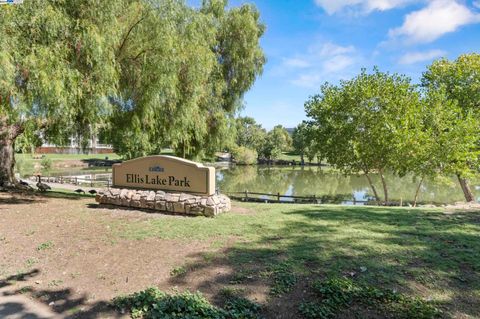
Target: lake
321,182
307,181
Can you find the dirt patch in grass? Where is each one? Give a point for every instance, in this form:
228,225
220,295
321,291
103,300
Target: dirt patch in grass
242,210
64,251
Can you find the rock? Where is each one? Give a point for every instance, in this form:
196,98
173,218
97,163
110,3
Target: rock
151,196
180,203
150,205
135,203
169,197
210,201
123,193
160,205
125,202
178,207
215,199
184,197
191,200
210,211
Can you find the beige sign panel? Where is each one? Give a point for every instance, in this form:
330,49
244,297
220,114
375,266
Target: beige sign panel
163,172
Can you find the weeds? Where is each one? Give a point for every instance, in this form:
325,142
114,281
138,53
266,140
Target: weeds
55,283
30,262
178,271
283,277
153,303
338,294
44,246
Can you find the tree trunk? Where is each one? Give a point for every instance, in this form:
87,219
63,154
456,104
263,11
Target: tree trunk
7,163
384,184
302,159
374,190
467,191
418,191
8,134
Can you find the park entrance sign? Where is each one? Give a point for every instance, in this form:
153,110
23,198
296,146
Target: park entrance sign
167,173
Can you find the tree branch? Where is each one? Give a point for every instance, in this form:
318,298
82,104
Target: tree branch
119,50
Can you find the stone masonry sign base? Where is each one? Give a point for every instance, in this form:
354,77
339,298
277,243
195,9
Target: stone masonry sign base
177,203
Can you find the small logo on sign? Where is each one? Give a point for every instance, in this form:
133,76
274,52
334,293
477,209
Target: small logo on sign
156,169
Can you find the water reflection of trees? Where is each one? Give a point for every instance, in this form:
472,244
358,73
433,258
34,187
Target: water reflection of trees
307,181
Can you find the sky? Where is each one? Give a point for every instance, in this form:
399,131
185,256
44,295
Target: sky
310,42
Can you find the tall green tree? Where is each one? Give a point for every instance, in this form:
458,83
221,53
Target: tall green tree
186,73
449,140
460,80
360,122
56,67
302,140
278,140
249,133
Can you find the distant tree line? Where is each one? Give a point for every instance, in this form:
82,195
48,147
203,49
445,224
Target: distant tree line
147,73
253,142
380,121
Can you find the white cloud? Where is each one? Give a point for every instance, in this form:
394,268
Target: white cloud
329,49
307,80
320,63
296,63
365,6
415,57
337,63
436,19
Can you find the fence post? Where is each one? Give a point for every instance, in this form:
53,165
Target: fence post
278,197
354,201
315,199
246,195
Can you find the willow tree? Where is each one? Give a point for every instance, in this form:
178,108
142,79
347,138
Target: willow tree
56,67
359,124
460,80
149,72
185,73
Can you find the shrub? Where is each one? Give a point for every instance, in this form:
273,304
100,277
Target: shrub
245,156
46,163
153,303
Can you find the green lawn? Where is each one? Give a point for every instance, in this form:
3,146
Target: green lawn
66,157
26,163
428,254
291,156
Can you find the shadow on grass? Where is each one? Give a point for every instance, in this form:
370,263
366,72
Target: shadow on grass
30,197
151,212
65,303
431,255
